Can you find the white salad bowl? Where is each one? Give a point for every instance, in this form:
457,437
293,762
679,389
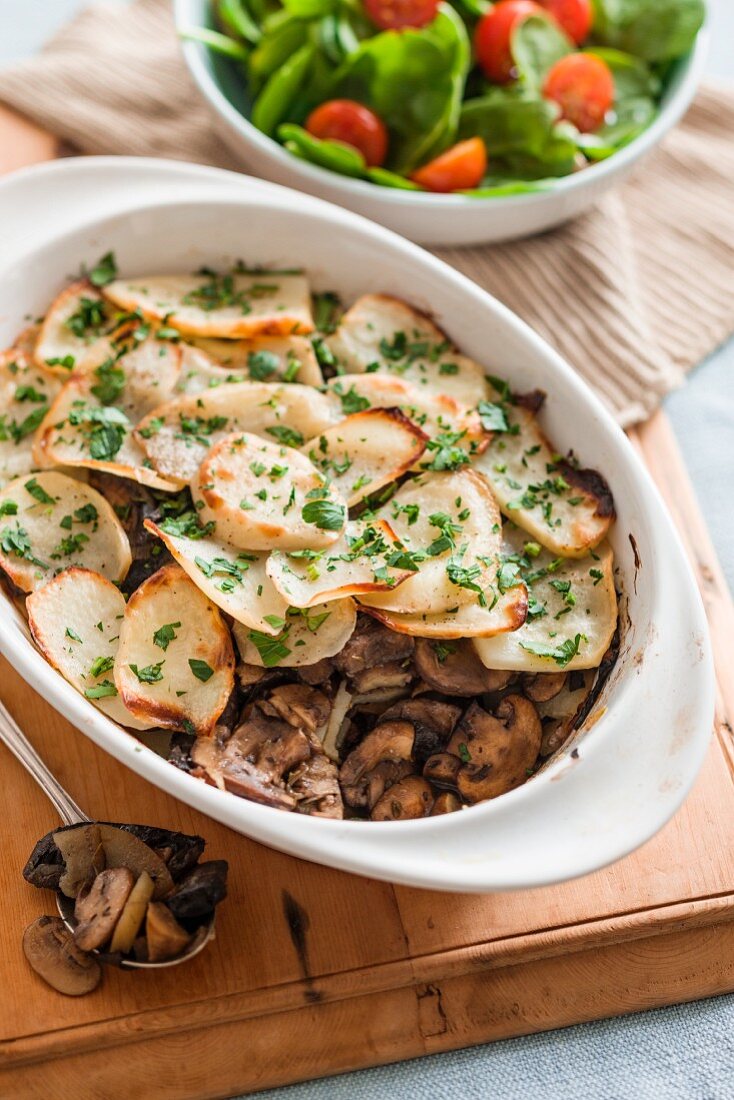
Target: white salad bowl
426,218
630,766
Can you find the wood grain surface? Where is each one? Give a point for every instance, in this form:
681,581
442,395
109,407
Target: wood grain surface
315,971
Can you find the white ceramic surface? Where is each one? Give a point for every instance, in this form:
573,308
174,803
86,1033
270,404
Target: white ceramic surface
427,219
620,781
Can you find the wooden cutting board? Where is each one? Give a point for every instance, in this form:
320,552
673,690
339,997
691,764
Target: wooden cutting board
313,971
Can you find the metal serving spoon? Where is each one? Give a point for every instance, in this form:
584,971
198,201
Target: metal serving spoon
21,748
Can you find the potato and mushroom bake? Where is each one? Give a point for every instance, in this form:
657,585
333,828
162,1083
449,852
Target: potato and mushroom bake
335,557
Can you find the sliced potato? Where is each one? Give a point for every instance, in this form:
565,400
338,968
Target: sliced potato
449,522
176,436
200,372
358,564
74,333
75,621
175,663
90,423
26,392
49,522
233,579
259,495
386,331
229,305
266,359
439,416
572,612
308,635
132,916
468,620
567,510
366,451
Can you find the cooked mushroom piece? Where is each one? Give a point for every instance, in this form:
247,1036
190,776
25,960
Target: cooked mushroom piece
82,855
199,893
497,751
410,798
123,849
432,719
542,686
318,673
556,732
164,935
133,504
315,784
442,769
446,803
390,741
99,907
383,777
132,916
299,705
49,947
372,644
386,679
454,668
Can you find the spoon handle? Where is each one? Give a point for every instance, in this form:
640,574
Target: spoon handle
22,749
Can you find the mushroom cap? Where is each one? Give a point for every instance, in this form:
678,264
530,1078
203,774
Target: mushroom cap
497,750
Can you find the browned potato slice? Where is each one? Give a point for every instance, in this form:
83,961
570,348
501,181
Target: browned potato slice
50,522
568,510
25,394
469,620
358,564
175,664
49,947
177,436
74,332
132,916
450,524
367,451
228,305
233,579
75,622
387,331
307,635
573,612
91,421
262,495
265,359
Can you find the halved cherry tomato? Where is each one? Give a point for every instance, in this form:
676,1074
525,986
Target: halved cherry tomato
583,86
391,15
458,169
353,124
575,16
492,37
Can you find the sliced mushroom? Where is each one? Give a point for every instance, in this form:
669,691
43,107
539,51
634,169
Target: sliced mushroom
443,769
249,675
82,855
315,784
385,776
497,751
200,891
556,732
446,803
50,949
164,935
132,916
317,673
390,741
123,849
542,686
372,644
410,798
433,721
454,668
99,907
299,705
388,677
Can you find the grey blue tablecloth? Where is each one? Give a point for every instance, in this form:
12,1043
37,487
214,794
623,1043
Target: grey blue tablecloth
680,1053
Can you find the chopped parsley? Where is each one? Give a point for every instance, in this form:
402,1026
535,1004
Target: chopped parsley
111,381
352,402
100,665
324,514
101,691
261,364
38,492
70,544
289,437
19,430
151,674
69,633
271,649
88,320
29,393
165,634
493,417
201,670
186,526
104,271
326,309
16,541
562,654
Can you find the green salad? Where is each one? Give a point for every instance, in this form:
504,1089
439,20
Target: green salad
462,96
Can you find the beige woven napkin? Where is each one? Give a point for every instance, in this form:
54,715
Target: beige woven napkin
633,294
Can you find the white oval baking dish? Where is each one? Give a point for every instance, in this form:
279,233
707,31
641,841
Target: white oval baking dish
632,764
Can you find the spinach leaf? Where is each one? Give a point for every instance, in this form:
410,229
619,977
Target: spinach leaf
536,44
520,132
656,30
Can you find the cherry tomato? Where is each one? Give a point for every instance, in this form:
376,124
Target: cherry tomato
492,37
583,86
574,16
458,169
353,124
391,15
